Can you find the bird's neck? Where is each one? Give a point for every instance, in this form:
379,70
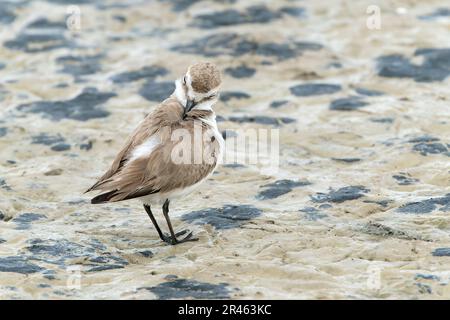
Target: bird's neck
195,114
179,93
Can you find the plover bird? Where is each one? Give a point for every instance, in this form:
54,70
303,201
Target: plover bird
149,167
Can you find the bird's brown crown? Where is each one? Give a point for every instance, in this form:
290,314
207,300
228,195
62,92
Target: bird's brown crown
205,76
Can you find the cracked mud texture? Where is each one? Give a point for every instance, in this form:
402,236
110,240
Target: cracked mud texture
364,143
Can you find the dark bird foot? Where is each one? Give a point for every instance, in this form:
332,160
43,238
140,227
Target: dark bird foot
173,241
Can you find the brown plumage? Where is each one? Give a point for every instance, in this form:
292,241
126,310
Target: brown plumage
171,152
204,77
156,173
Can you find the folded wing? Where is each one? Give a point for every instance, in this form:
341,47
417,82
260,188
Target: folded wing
146,166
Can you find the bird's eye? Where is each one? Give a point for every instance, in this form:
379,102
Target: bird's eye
184,79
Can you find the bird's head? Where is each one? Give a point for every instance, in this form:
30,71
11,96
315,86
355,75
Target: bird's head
199,87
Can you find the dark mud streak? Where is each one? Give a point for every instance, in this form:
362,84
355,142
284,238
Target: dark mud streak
425,138
341,195
58,251
18,264
61,147
262,120
56,142
313,214
441,252
227,217
348,104
83,107
431,148
106,267
229,95
78,66
185,288
4,186
228,134
435,67
427,277
347,160
426,145
230,17
237,45
148,72
181,5
336,65
146,253
120,18
25,220
368,92
378,229
284,51
383,203
86,146
314,89
438,13
220,118
279,188
157,91
383,120
427,206
7,14
424,288
404,179
296,12
49,274
39,36
69,2
240,72
233,165
278,103
46,139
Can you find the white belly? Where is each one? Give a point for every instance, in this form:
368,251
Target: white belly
160,198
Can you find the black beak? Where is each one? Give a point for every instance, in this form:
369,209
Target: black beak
189,105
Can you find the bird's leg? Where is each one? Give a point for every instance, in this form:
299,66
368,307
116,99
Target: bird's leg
164,236
150,214
174,239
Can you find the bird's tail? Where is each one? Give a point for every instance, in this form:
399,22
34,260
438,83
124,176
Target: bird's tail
104,197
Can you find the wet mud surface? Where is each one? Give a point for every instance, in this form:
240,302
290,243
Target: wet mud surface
359,206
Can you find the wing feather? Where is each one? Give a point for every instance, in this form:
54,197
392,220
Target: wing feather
148,127
131,177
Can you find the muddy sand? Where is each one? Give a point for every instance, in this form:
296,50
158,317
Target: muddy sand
359,207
